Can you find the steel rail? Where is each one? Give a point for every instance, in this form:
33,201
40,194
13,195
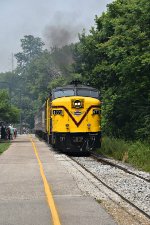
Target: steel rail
100,159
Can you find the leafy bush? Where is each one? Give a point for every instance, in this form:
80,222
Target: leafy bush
113,147
135,153
139,155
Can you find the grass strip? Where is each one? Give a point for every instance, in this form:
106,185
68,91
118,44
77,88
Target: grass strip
4,146
136,153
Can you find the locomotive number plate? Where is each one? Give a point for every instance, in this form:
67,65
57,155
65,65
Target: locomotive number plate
77,113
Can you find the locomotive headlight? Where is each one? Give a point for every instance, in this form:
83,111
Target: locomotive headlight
77,104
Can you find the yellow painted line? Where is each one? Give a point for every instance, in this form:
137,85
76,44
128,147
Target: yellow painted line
51,203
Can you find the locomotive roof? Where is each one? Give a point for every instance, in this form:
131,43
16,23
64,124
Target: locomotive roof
74,86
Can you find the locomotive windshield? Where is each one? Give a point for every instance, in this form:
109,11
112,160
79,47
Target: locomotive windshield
87,93
75,91
63,92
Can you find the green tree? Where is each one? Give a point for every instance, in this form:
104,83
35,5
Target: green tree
8,113
115,58
32,47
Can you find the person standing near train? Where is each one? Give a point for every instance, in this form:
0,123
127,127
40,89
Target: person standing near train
11,135
8,133
15,132
3,132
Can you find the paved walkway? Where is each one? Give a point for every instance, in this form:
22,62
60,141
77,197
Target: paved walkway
27,169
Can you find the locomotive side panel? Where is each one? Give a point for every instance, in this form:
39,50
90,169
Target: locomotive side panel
40,122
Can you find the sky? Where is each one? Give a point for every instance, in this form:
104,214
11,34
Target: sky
56,22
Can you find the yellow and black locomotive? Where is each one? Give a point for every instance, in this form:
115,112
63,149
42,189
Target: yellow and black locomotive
70,119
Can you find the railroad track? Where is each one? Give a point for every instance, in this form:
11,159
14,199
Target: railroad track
103,160
111,188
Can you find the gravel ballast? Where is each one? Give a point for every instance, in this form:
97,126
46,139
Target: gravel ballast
131,187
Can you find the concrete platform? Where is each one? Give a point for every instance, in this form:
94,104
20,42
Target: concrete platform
22,195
